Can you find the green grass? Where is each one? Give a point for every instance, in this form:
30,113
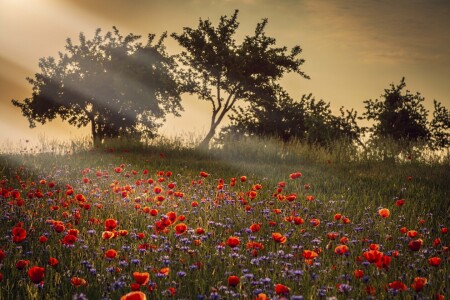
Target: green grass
354,185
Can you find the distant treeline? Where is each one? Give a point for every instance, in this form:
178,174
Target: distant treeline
123,87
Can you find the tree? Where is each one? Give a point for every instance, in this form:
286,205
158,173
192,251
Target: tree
224,72
307,120
398,116
115,83
440,126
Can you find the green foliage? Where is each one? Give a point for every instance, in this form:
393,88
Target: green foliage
440,126
398,116
224,72
114,82
307,120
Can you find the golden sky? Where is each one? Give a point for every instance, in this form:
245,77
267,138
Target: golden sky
353,48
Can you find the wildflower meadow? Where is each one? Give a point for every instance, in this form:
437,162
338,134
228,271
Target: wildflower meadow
164,223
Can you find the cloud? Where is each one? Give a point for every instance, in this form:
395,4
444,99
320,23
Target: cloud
401,31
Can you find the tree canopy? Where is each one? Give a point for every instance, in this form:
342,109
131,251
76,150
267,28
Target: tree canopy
223,71
117,84
307,120
398,116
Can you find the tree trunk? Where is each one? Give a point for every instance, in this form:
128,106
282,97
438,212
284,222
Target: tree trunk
204,145
95,139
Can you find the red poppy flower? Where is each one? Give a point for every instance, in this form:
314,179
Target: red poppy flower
106,235
135,286
295,175
309,198
332,235
279,238
77,281
58,226
69,239
110,224
434,261
233,241
243,178
415,245
298,221
123,232
384,262
204,174
400,202
412,233
171,291
314,222
291,197
341,249
111,253
141,278
21,264
358,273
200,230
281,289
19,234
254,245
346,220
233,280
36,274
419,283
180,228
52,261
154,212
374,247
255,227
164,271
172,216
308,254
372,256
135,295
384,212
397,285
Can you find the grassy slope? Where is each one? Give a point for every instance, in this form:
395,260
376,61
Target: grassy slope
353,189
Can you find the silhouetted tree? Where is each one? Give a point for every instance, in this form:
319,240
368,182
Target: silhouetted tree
440,126
307,120
224,72
398,116
115,83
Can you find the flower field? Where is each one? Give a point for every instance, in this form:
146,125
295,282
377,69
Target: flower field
112,224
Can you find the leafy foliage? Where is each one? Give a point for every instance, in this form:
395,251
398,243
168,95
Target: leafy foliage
440,126
114,82
307,120
401,117
398,116
223,72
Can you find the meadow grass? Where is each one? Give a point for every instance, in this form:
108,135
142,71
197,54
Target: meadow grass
342,182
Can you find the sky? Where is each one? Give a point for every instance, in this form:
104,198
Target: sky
353,49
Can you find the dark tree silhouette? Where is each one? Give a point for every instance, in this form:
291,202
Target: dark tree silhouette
398,116
307,120
224,72
114,82
440,126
